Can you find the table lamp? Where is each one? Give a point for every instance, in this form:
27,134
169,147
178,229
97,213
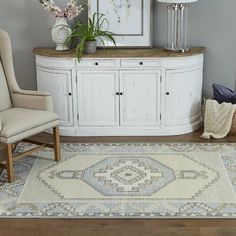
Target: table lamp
177,12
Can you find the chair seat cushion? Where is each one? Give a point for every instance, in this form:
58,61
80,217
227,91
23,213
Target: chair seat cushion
19,123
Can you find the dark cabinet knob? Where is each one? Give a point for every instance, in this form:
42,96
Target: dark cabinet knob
141,63
96,63
69,94
167,93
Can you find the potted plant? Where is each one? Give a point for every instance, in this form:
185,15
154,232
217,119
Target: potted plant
88,34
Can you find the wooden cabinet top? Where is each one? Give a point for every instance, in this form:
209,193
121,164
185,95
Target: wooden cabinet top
119,53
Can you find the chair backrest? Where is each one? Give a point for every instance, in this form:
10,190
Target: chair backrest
8,83
5,98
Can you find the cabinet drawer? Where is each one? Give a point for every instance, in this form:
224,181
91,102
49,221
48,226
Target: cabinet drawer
140,63
98,63
60,63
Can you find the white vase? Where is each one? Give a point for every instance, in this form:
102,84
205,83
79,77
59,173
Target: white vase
60,32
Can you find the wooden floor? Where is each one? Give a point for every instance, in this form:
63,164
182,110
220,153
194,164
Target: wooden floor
122,227
193,137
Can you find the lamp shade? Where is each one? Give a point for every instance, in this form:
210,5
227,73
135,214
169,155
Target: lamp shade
177,1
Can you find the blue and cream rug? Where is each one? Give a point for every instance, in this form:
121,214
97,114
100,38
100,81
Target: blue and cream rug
124,180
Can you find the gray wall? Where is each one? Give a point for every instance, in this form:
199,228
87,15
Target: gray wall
29,26
211,24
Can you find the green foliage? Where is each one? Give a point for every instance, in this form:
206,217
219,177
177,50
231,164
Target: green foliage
90,32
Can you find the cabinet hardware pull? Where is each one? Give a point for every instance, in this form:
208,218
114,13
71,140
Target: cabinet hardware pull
167,93
69,94
141,63
96,63
119,93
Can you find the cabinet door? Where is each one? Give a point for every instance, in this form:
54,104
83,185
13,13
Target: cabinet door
140,102
183,95
97,99
58,84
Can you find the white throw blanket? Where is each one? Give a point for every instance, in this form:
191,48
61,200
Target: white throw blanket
218,119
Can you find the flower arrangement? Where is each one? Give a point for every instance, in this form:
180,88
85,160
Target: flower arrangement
71,10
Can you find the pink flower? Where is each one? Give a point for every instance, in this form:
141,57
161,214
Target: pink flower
71,10
60,13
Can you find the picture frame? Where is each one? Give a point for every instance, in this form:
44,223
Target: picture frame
130,20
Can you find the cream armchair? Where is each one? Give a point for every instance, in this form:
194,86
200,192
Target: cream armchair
22,113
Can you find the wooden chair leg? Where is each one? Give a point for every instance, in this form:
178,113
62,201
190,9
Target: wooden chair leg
9,163
14,146
57,144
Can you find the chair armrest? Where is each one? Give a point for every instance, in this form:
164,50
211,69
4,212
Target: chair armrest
33,93
32,100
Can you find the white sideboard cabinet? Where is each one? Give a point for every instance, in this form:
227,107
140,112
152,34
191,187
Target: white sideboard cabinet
142,92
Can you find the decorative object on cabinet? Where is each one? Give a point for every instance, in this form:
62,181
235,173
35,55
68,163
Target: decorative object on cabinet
124,92
89,33
22,113
130,20
61,29
60,32
177,24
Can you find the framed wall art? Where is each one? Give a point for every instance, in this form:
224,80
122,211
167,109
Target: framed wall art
130,20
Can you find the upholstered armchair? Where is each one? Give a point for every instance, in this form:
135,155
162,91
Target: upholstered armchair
22,113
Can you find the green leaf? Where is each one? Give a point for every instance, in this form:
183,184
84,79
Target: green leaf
90,31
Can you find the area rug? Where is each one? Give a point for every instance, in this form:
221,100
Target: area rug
127,180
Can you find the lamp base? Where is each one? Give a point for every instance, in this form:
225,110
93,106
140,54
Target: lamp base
177,50
177,27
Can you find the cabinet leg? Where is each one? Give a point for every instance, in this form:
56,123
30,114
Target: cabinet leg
57,144
9,163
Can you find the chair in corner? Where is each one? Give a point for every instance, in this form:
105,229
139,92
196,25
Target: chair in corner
22,113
